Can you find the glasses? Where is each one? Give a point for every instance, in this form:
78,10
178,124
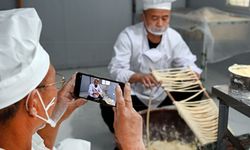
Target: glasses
60,80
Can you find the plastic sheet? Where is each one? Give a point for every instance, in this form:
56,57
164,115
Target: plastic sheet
213,35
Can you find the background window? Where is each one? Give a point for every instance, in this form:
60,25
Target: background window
105,82
241,3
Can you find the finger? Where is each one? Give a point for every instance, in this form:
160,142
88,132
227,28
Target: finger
160,82
68,88
153,80
198,75
127,95
64,94
148,82
144,82
120,104
70,84
79,102
115,115
76,104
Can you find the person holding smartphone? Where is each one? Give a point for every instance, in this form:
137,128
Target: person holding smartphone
31,107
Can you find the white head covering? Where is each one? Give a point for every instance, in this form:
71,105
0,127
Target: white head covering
23,61
157,4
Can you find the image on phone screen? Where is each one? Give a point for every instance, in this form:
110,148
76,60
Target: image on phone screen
96,89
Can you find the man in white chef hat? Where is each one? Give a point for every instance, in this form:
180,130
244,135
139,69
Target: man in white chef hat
30,102
143,47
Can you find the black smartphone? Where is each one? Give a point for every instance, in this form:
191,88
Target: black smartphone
96,89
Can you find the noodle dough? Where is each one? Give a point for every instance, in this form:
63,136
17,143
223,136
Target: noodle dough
242,70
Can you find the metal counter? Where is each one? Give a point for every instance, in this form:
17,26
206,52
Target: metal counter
225,101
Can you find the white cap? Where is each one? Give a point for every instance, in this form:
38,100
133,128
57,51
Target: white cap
23,61
157,4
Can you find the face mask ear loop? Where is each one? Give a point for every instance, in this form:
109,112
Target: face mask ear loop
42,104
52,102
145,21
27,108
49,121
42,118
27,100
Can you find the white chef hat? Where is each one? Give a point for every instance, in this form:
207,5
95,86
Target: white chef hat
157,4
23,61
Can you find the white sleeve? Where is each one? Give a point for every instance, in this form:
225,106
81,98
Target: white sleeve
38,143
183,57
90,91
99,89
119,67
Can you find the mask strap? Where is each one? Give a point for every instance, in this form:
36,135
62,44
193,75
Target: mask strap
52,102
145,22
39,96
48,120
38,116
27,100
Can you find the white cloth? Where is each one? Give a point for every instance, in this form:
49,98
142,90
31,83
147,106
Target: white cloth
23,61
73,144
132,55
93,89
157,4
38,143
67,144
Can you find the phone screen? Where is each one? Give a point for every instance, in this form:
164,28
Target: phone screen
96,89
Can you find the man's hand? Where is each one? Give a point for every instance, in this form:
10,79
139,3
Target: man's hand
148,80
127,122
96,94
65,95
198,75
64,98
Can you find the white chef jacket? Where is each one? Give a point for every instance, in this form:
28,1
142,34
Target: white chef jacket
93,89
132,54
66,144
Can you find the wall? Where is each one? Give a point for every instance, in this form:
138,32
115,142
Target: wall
201,3
7,4
79,33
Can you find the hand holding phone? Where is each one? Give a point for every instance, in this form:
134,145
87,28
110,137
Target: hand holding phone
96,89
